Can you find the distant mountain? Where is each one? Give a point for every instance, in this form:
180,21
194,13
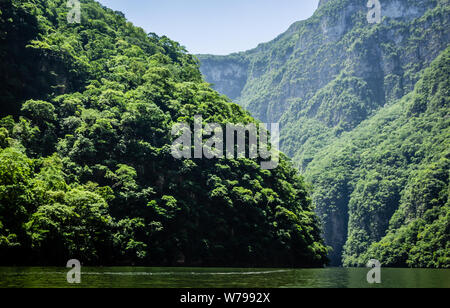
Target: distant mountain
323,79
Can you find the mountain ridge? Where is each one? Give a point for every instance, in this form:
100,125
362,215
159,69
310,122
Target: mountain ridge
325,76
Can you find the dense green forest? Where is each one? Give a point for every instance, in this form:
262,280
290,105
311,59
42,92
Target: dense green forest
86,170
364,114
396,166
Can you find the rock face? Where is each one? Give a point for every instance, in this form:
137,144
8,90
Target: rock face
227,74
312,53
324,76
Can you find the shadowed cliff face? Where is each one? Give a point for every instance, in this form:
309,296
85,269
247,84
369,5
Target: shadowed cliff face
324,76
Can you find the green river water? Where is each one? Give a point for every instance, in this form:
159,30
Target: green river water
144,277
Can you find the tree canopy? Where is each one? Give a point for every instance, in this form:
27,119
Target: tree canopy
86,169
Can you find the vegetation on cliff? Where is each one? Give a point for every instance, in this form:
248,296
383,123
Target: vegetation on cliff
339,88
390,177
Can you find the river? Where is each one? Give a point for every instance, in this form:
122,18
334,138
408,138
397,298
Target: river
144,277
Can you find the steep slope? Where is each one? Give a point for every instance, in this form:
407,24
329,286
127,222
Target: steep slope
86,169
325,75
322,78
383,189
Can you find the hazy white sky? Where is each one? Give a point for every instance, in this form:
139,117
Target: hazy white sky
215,26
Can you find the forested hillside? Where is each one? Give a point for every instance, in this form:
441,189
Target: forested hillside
86,170
323,79
389,178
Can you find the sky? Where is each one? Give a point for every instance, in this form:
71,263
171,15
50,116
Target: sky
217,27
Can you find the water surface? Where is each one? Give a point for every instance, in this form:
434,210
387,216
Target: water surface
144,277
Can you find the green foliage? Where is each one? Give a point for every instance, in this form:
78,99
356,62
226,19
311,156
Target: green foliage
334,82
388,180
419,230
86,168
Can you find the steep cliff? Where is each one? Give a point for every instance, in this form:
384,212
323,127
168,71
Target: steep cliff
325,76
228,74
